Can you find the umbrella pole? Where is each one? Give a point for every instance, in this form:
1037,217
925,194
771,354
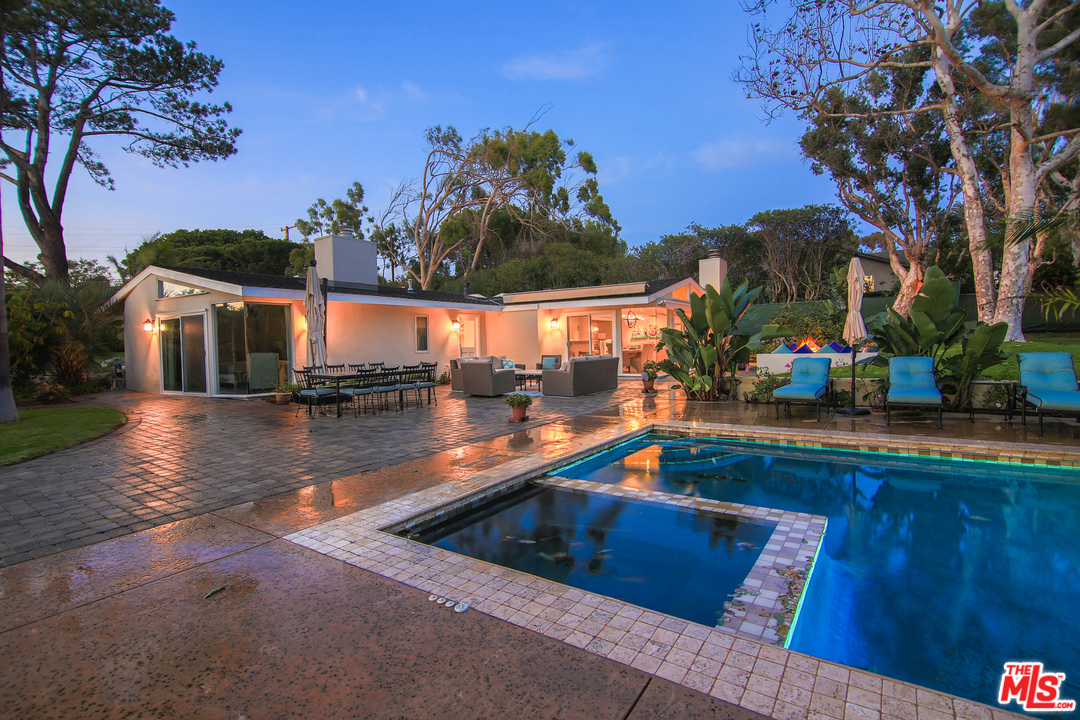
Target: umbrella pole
853,410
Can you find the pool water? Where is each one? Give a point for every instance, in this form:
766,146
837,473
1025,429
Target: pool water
678,561
933,572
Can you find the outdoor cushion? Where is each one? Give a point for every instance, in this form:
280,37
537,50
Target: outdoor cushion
1055,400
319,391
1052,371
912,372
548,363
810,371
508,364
803,392
914,395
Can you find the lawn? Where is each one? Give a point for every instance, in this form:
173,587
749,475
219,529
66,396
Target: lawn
40,432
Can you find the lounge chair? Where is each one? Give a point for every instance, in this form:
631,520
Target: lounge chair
912,384
809,384
1048,384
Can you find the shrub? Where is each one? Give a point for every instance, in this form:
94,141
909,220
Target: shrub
821,321
764,386
51,392
518,400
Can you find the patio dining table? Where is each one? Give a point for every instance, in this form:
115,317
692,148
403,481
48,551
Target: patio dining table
337,378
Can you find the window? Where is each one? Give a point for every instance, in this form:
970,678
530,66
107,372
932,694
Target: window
421,333
167,289
252,347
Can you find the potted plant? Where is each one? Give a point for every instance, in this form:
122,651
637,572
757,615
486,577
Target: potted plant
283,393
649,375
519,403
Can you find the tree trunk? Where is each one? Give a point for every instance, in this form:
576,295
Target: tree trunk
8,413
909,288
54,258
974,214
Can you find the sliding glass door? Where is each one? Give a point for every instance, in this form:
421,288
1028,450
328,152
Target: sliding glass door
183,354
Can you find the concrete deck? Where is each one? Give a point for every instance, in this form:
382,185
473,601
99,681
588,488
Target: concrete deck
116,548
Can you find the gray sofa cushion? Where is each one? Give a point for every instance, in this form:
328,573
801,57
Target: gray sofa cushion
582,376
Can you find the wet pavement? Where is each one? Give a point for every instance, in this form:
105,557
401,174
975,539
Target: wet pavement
199,493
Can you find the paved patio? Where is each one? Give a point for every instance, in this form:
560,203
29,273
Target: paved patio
134,533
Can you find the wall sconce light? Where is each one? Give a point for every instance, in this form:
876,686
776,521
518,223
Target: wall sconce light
457,325
631,319
554,323
148,325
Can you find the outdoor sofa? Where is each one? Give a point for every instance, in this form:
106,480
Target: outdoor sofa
482,378
582,376
455,369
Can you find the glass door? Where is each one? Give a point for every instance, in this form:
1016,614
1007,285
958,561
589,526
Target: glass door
183,355
589,335
469,336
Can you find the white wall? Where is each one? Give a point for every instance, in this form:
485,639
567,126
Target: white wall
358,333
513,335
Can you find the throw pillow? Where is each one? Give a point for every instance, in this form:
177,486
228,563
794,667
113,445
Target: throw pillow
548,364
508,364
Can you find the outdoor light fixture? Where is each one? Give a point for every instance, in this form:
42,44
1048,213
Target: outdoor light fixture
457,325
148,326
554,323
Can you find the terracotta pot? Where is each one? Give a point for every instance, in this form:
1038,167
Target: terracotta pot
282,398
520,411
648,385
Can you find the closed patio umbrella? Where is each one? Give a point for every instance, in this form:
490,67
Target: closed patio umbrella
316,319
854,327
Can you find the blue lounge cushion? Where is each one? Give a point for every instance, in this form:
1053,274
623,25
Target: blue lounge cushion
1047,371
912,372
801,392
1055,400
914,395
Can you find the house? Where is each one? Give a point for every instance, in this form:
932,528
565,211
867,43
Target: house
878,271
233,334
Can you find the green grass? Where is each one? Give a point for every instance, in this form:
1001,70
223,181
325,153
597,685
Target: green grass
40,432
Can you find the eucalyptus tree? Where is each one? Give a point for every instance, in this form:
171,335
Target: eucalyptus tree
75,71
524,173
891,170
819,45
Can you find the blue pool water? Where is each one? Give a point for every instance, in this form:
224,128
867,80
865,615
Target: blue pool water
673,560
932,572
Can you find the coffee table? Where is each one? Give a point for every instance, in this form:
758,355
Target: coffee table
524,377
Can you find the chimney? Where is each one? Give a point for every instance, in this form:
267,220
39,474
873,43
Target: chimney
465,291
346,261
712,269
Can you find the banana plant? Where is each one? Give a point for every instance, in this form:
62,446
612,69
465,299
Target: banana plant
934,326
709,347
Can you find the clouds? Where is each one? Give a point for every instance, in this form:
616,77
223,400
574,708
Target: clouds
564,65
740,152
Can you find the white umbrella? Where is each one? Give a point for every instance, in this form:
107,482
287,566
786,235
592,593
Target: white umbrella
854,327
316,319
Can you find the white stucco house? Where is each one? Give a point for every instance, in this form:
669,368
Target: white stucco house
233,334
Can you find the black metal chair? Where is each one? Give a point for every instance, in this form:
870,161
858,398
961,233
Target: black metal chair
335,368
313,393
429,380
363,389
386,383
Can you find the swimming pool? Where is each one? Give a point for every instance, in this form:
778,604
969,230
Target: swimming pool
934,572
679,561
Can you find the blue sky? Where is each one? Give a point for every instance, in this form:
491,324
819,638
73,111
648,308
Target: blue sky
331,92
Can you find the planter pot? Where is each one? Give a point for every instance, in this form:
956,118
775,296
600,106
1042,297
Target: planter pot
520,412
282,398
648,385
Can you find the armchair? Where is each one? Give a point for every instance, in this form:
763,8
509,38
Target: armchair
549,362
481,378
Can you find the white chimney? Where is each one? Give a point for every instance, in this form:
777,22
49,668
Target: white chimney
347,261
712,269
